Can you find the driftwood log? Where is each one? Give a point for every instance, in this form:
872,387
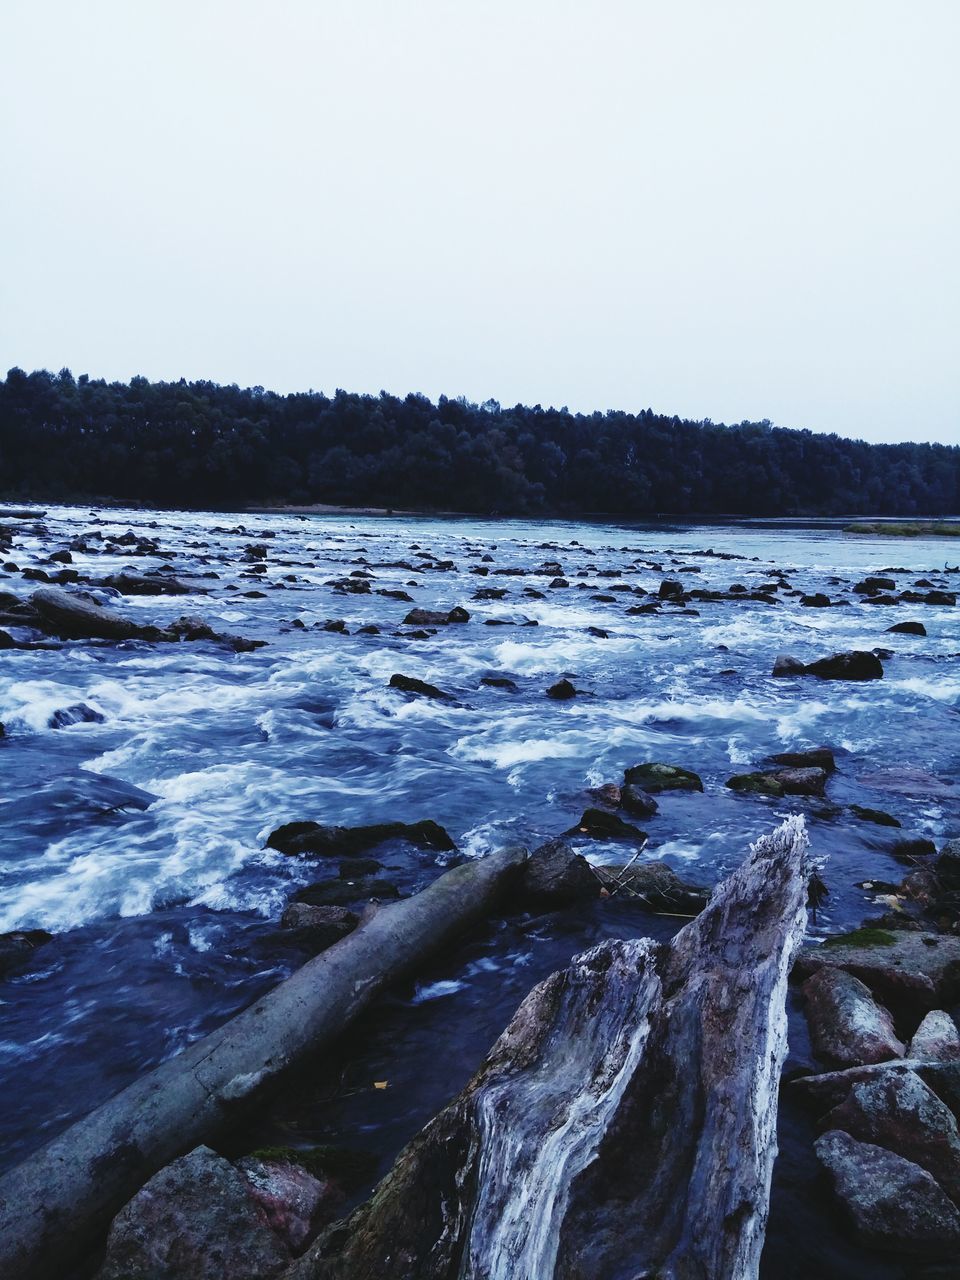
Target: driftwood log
624,1125
55,1204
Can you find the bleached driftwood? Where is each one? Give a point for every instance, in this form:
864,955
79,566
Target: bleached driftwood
623,1125
59,1200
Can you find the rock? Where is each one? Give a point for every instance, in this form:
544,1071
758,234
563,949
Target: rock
870,586
655,777
891,1202
802,782
407,684
149,584
815,758
356,868
291,1199
904,970
906,848
847,1026
654,885
17,948
765,784
79,713
897,1110
322,926
786,665
499,682
816,601
194,1220
431,618
856,665
637,801
947,865
608,793
561,691
296,838
74,616
671,589
339,893
877,816
908,628
936,1039
600,825
555,876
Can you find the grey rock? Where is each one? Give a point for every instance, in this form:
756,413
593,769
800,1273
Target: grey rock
892,1203
847,1026
936,1039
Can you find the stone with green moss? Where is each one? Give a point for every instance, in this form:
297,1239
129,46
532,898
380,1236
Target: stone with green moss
654,777
763,784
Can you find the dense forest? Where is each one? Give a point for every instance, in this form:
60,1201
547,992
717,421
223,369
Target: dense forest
198,444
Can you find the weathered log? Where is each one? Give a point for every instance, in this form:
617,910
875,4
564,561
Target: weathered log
54,1204
623,1124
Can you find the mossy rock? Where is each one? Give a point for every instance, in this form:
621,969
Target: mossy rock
654,777
763,784
865,937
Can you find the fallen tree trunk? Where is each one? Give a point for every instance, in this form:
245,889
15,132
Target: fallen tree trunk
54,1205
623,1124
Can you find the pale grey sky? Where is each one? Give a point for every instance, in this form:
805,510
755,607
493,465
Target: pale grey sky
718,208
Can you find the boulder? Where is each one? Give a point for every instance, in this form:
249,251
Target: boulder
905,970
74,616
295,838
637,801
408,684
555,876
871,586
291,1199
194,1220
787,665
129,583
947,865
654,777
908,629
816,601
499,682
671,589
765,784
897,1110
892,1203
654,886
600,825
340,893
608,793
877,816
936,1039
856,665
847,1026
433,618
562,691
17,948
320,926
814,758
79,713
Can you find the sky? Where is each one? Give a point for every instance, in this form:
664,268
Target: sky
725,209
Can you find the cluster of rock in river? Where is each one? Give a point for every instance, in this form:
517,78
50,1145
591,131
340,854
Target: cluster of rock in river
878,1002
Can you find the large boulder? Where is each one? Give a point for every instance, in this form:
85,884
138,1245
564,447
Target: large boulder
290,1198
847,1026
555,876
907,971
409,684
857,665
899,1111
891,1202
814,758
194,1220
636,801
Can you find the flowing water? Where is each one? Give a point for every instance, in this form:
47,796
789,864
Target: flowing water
139,839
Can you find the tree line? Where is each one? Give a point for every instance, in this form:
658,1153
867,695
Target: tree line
200,444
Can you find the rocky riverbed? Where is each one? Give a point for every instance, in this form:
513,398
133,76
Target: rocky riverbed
225,736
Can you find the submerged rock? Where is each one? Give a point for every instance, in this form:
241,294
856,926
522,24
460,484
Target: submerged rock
814,758
892,1203
79,713
857,665
637,801
877,816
